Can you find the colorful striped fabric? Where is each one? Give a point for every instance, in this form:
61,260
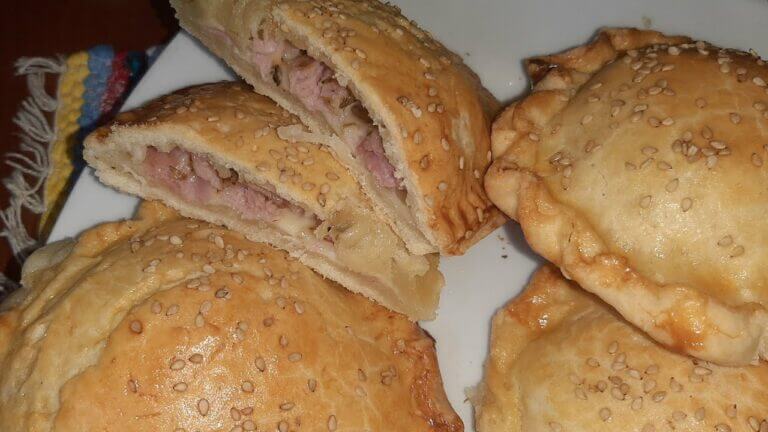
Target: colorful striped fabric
91,88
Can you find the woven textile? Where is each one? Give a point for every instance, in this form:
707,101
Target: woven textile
90,86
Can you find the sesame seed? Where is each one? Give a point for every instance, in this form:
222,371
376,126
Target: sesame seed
759,81
203,406
699,414
754,423
247,386
172,310
178,364
442,186
711,161
294,357
286,406
645,201
605,414
659,396
593,362
261,365
208,269
199,320
613,347
249,425
180,387
653,121
580,393
757,160
737,251
759,106
686,204
586,119
735,118
722,427
669,121
672,185
679,416
136,326
649,150
555,427
213,119
332,423
673,50
196,358
663,165
701,102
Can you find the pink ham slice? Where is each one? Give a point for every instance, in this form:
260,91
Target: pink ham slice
195,180
313,83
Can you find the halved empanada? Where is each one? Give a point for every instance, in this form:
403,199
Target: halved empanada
213,152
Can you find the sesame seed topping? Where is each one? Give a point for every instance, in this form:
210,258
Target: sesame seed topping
737,251
207,268
203,406
180,387
701,102
645,201
757,160
196,358
136,326
605,414
332,423
586,119
294,357
178,364
213,119
172,310
261,365
722,427
759,81
686,204
247,386
442,186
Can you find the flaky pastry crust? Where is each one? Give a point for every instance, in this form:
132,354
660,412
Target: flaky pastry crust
164,323
636,165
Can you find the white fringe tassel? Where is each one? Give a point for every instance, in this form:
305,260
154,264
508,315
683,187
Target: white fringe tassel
31,165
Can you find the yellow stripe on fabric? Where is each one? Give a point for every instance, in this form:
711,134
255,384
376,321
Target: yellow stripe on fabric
70,101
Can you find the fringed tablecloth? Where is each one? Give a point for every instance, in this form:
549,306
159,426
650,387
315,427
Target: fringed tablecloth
89,87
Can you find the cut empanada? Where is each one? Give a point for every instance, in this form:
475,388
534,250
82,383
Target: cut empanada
214,152
638,165
562,360
408,118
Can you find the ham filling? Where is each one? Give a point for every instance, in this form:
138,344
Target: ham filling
196,180
313,83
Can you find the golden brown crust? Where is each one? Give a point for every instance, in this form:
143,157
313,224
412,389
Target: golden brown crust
239,129
563,360
433,112
137,331
634,170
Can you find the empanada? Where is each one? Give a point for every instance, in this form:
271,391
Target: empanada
639,165
170,324
562,360
214,152
402,112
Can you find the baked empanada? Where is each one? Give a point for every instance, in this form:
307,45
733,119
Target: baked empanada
169,324
561,360
408,118
639,166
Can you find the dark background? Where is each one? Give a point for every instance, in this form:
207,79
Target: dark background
32,28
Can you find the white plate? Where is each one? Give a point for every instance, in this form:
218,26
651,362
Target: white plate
493,36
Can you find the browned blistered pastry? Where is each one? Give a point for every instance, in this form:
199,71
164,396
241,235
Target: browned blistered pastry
639,166
171,324
401,111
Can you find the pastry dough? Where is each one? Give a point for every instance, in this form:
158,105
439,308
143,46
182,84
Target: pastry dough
170,324
563,360
291,194
351,69
639,166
